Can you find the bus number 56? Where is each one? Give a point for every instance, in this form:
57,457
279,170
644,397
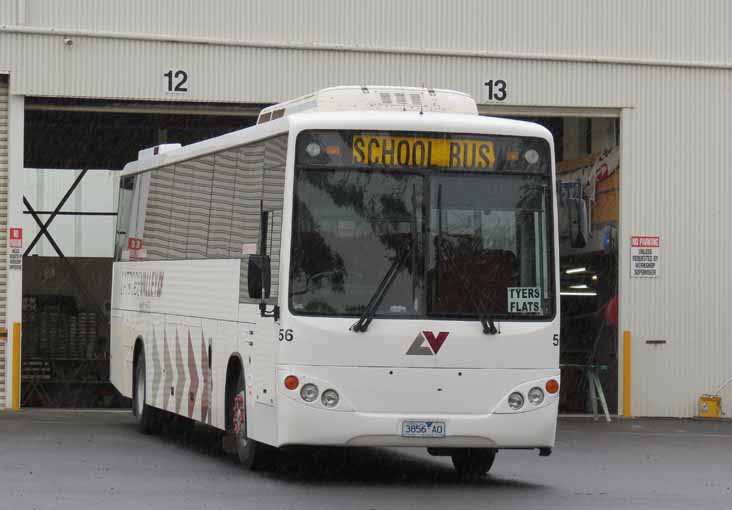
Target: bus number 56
286,335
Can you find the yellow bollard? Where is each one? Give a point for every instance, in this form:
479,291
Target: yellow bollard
626,374
15,403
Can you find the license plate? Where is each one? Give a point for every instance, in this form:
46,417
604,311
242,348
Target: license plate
423,428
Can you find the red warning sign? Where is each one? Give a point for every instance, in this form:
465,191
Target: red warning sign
16,238
134,243
645,256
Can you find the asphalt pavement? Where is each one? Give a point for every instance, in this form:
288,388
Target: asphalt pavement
97,460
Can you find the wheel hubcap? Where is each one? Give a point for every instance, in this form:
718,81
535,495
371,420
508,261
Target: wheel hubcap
239,417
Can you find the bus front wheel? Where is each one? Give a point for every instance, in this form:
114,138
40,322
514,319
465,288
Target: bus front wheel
473,462
252,454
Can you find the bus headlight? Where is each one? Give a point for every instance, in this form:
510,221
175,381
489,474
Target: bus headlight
536,396
313,149
531,156
515,401
330,398
309,392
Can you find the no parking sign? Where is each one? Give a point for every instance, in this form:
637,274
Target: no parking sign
645,256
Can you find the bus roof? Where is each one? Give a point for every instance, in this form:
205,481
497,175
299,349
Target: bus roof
374,98
366,120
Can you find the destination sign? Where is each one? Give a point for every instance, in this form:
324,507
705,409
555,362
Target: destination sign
415,150
422,152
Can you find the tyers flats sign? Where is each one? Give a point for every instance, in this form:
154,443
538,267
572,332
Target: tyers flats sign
427,343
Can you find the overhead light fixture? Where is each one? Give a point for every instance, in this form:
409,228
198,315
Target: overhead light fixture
581,286
578,293
594,277
576,270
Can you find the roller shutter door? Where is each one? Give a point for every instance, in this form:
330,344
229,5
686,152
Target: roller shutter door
3,222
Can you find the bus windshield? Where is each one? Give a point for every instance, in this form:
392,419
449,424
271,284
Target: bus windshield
464,238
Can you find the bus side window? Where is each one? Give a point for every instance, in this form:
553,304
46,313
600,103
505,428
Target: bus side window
200,181
273,191
259,199
223,204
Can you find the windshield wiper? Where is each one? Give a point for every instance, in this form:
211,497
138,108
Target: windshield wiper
368,314
489,327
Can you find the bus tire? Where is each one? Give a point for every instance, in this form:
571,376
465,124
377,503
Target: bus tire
147,418
251,454
473,462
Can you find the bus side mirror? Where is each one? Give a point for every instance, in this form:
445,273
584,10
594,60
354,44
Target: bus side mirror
259,276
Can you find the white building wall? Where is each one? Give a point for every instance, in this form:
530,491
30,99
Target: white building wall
77,236
651,29
665,68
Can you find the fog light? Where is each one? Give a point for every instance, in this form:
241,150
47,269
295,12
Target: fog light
515,401
330,398
313,149
309,392
536,396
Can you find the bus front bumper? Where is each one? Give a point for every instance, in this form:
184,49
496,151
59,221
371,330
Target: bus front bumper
300,424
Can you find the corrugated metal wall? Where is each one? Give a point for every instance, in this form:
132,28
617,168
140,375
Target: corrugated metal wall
662,29
3,223
675,183
675,119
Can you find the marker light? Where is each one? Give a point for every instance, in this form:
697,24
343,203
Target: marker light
515,401
292,382
531,156
313,149
330,398
309,392
536,396
512,156
552,386
333,150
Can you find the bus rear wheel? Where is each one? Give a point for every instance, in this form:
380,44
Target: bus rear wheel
473,462
147,418
251,454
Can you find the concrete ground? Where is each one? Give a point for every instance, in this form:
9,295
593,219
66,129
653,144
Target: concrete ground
97,460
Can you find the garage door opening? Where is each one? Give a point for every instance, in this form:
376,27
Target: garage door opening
71,179
588,186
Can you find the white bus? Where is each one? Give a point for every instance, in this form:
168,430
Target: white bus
367,266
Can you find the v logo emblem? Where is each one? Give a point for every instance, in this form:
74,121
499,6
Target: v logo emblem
417,349
435,341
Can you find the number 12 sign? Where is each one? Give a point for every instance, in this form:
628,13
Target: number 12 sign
175,81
